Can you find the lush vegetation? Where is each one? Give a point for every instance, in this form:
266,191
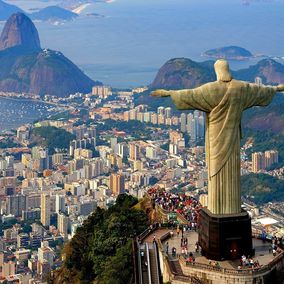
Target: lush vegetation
101,249
25,225
53,137
135,128
8,143
262,188
65,115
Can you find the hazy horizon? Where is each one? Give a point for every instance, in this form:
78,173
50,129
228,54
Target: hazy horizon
133,39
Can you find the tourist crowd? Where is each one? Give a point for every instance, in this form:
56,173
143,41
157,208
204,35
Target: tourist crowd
186,206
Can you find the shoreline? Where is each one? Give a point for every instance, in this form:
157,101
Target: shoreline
81,8
15,98
6,127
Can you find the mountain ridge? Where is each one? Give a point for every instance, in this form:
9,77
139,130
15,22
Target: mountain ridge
179,73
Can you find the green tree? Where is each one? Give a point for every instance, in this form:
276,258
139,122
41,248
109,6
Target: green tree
101,248
54,138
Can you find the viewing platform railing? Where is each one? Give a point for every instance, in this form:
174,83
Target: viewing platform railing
241,271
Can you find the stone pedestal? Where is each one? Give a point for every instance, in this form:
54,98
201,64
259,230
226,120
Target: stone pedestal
225,236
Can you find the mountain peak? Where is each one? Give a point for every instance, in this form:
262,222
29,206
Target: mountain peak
19,30
180,73
268,62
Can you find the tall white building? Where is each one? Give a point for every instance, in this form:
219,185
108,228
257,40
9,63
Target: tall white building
63,221
122,150
113,144
201,124
147,116
173,149
101,91
45,253
191,127
183,122
168,112
59,203
151,153
196,122
45,210
161,110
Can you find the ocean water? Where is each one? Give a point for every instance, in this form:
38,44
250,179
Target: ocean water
132,39
16,112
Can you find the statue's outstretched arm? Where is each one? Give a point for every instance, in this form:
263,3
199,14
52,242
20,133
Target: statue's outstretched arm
168,93
186,98
259,95
279,88
161,93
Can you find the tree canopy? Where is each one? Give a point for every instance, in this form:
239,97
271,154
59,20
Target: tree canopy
262,188
54,137
101,249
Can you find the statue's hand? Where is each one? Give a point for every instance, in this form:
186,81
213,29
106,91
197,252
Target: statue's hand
161,93
280,88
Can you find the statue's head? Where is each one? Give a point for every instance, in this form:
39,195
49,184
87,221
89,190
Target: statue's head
222,70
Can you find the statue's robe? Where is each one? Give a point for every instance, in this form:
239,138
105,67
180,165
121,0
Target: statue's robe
223,103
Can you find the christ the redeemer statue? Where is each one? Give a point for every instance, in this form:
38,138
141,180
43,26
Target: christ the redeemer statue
223,101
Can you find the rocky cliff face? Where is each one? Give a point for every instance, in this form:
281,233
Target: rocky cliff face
25,67
19,30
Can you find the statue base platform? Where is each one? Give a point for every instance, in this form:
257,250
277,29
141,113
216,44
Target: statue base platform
225,237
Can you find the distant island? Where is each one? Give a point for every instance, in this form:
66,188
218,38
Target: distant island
78,6
67,10
50,13
53,13
229,52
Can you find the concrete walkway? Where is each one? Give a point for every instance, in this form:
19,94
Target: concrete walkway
261,249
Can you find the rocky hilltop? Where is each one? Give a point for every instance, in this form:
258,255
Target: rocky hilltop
26,68
269,70
180,73
228,52
19,31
